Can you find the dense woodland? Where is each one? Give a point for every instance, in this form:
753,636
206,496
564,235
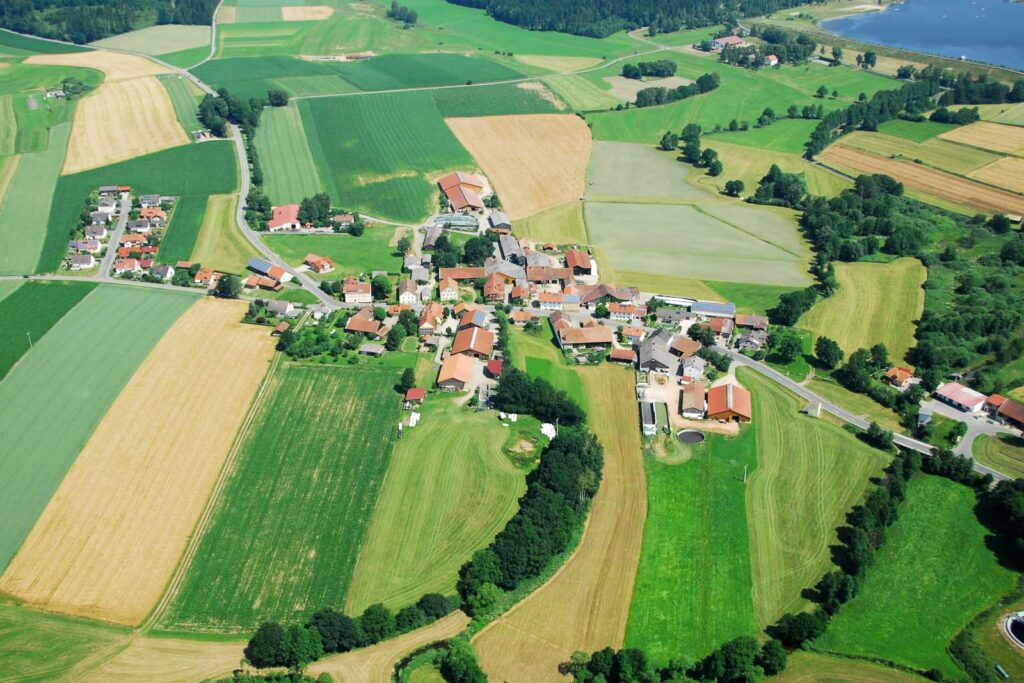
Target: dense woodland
83,21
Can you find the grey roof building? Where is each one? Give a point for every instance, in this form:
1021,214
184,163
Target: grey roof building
654,353
510,249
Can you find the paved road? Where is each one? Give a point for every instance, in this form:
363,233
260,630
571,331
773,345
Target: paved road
977,425
115,241
842,414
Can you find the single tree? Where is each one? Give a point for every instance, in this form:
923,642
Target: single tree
404,245
408,380
734,188
715,168
380,287
228,287
828,353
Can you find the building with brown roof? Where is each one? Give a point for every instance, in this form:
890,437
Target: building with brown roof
693,401
494,287
753,322
578,261
318,264
684,346
1012,412
448,290
464,273
899,377
462,190
550,276
729,402
456,372
622,356
407,292
595,336
521,317
363,322
431,317
356,292
474,341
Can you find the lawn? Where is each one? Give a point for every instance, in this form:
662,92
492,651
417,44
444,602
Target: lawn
31,310
351,255
539,357
183,97
378,153
493,100
693,586
449,490
1004,453
754,299
221,245
389,72
798,368
286,530
561,225
50,386
931,576
810,472
26,207
189,172
288,169
888,299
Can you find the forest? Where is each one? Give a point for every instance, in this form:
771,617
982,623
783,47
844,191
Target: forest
83,21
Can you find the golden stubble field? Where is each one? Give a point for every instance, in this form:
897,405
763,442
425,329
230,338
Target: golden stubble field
1007,173
127,116
109,540
535,161
585,605
989,135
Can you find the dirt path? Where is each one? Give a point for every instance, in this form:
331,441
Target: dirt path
586,604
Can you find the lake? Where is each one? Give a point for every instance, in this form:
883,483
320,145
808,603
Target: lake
983,30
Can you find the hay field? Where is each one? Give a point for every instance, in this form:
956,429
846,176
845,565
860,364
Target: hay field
158,40
115,66
561,225
936,152
627,172
887,298
809,474
124,322
534,162
808,667
581,93
153,658
221,245
1007,173
586,604
558,64
375,664
928,180
288,167
625,89
307,13
110,538
1014,116
989,135
283,538
422,531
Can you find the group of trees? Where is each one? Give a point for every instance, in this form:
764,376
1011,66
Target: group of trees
661,68
967,88
477,249
779,189
316,210
406,15
446,253
960,117
328,631
649,97
692,152
517,392
83,21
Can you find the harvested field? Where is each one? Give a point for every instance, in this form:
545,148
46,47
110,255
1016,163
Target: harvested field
221,245
167,659
115,66
988,135
585,605
558,64
561,225
308,13
159,40
936,152
928,180
1007,173
808,667
625,89
535,162
109,540
887,297
375,664
1014,116
581,93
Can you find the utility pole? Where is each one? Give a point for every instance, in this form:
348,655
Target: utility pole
744,474
29,335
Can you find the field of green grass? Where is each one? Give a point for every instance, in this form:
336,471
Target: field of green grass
561,225
18,45
932,575
32,133
1004,453
810,472
888,298
183,97
253,76
810,667
51,387
389,72
183,229
285,533
288,169
377,153
537,355
754,299
693,586
1013,116
26,207
914,131
29,311
8,126
189,172
449,490
351,255
494,100
581,93
640,174
798,368
159,40
21,78
184,59
858,404
220,244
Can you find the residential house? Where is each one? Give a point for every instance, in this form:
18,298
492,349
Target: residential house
163,271
344,220
771,60
722,327
284,218
148,200
494,367
622,356
318,264
729,402
899,377
133,240
632,335
692,368
960,397
550,301
591,335
592,295
207,277
463,273
521,317
520,295
579,262
86,246
82,261
407,293
472,317
155,214
431,318
474,341
126,265
693,401
99,217
363,322
106,205
448,290
456,372
494,288
140,226
752,341
96,232
414,397
654,353
356,292
623,312
499,222
670,316
684,347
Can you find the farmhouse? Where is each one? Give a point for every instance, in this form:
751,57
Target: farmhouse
356,292
431,317
721,326
499,222
632,335
624,312
318,264
578,261
654,352
521,317
407,292
727,41
752,322
591,295
550,301
472,317
456,372
462,191
1012,412
752,341
207,277
961,397
344,220
494,288
899,377
471,273
363,322
729,402
284,218
448,290
771,60
82,261
670,316
474,341
591,335
693,367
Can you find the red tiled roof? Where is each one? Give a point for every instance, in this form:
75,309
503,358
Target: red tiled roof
729,398
475,339
462,273
461,197
597,334
494,366
459,178
1012,410
283,215
577,259
995,400
623,355
416,394
457,367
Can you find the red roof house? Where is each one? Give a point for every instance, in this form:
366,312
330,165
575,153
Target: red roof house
284,218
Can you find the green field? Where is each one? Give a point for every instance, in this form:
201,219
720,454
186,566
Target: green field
185,59
693,586
288,169
809,473
159,40
33,132
449,490
537,354
914,131
253,76
284,536
937,153
220,244
858,404
809,667
888,299
189,171
183,97
623,172
1013,116
21,77
755,299
26,207
931,576
581,93
562,225
8,126
351,255
389,72
1004,453
493,100
377,153
29,311
52,387
183,229
15,44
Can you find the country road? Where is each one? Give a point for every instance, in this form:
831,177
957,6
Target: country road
115,240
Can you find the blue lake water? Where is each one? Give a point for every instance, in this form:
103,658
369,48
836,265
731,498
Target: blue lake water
990,31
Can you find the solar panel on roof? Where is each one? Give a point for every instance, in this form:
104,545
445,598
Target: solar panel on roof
259,265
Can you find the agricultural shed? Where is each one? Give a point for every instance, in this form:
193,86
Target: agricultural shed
473,341
729,402
959,396
692,400
456,372
714,308
622,356
374,350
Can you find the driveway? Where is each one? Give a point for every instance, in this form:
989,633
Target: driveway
977,424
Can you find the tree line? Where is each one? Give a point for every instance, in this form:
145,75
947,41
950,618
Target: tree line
83,21
401,13
660,68
649,97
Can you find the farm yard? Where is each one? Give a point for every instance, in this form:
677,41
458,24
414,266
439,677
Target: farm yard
370,251
110,538
38,394
284,536
449,490
888,299
534,162
288,167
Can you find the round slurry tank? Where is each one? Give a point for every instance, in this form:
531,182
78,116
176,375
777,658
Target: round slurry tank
690,436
